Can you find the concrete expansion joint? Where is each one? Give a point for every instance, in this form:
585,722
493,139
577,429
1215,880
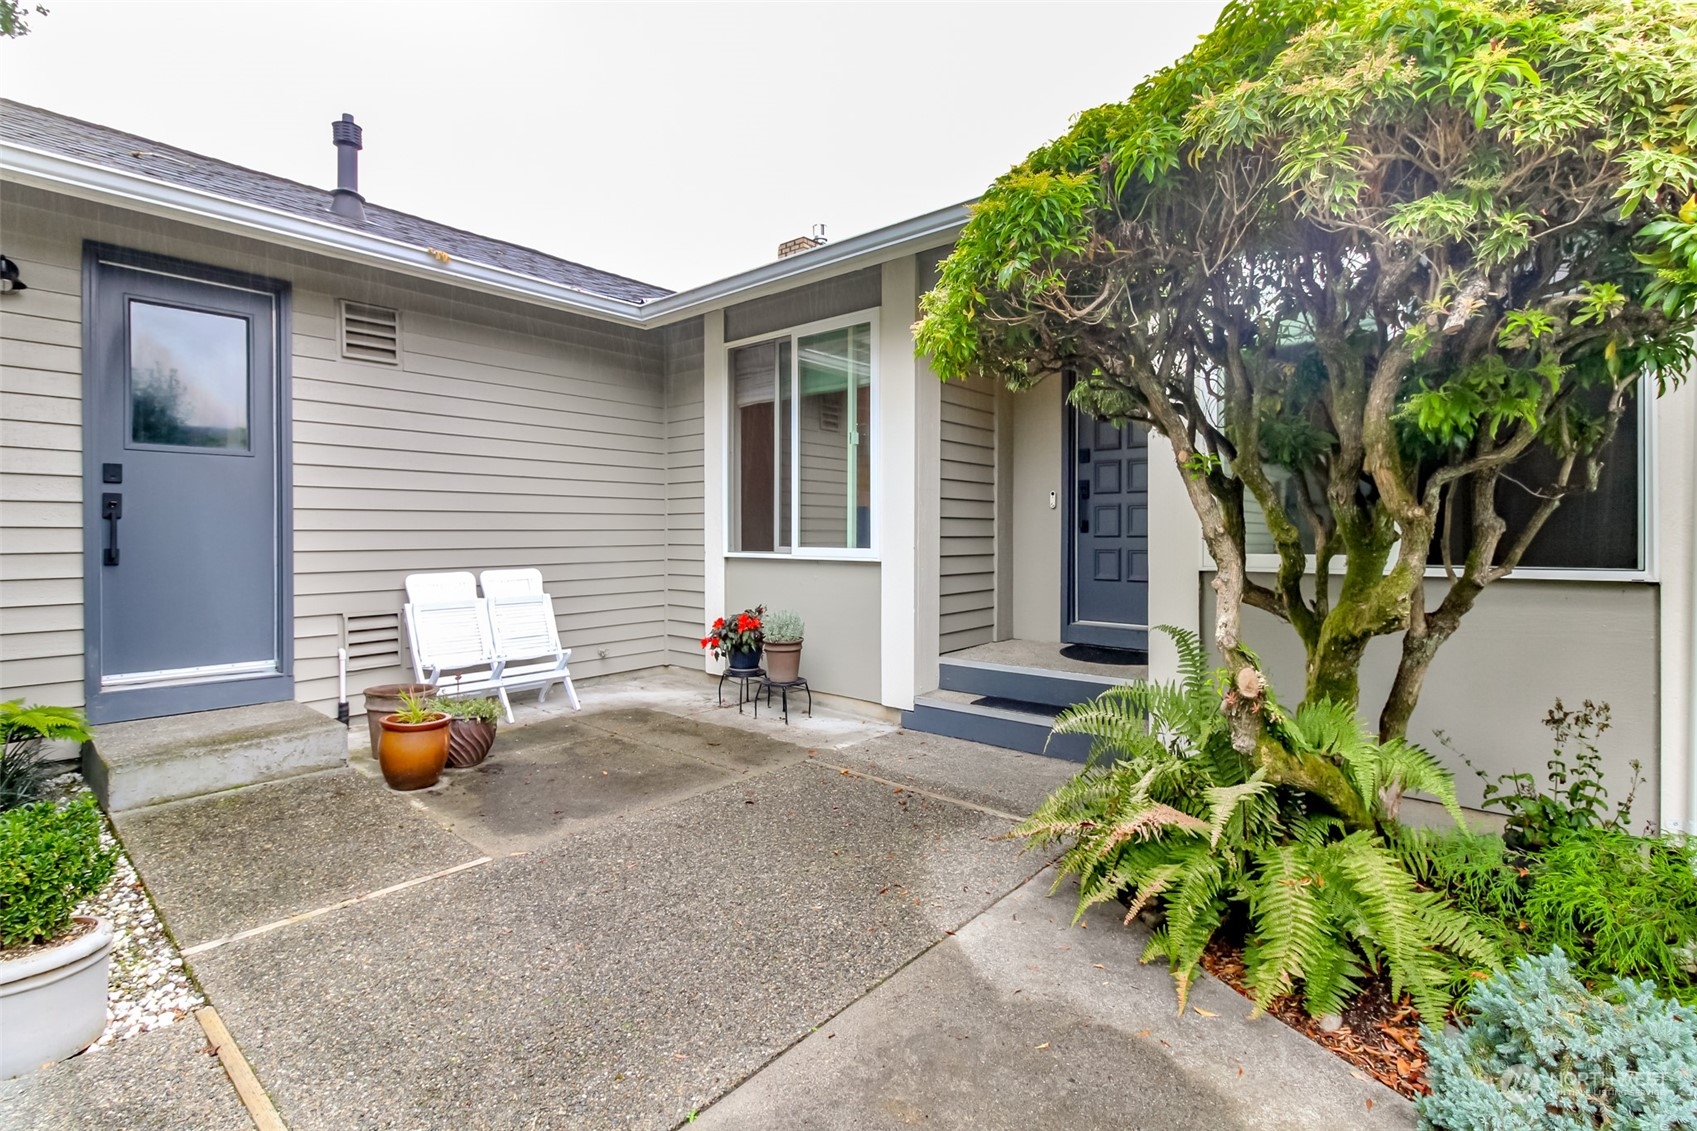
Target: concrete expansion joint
265,928
845,771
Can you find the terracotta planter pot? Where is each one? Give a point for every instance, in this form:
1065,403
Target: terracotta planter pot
385,699
412,755
783,661
53,1001
468,743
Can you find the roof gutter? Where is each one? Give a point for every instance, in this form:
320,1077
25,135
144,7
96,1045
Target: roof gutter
87,180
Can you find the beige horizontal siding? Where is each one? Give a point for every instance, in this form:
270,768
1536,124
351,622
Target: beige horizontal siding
507,436
967,530
686,617
41,637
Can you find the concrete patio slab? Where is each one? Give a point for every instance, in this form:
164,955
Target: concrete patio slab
544,782
728,745
1021,1020
1008,780
621,978
221,864
165,1080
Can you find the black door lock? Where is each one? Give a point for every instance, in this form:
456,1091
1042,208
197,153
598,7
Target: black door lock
111,509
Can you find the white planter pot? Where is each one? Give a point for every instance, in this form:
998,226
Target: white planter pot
53,1003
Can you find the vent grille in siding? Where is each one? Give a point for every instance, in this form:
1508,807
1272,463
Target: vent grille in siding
374,640
371,333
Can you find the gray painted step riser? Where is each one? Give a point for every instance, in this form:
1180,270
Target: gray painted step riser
992,730
1057,690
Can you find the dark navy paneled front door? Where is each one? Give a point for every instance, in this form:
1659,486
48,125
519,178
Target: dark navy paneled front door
1108,566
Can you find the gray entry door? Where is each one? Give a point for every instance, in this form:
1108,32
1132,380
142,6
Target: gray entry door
184,544
1107,597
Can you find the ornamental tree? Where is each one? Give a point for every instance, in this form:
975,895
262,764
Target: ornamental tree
1371,265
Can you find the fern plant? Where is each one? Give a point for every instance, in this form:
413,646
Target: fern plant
24,773
1169,814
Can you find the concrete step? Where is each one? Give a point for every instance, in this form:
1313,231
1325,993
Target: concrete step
147,761
998,722
1044,686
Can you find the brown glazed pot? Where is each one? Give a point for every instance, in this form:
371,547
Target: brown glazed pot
783,662
411,755
385,699
469,742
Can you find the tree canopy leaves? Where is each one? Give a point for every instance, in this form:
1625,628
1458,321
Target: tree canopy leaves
1360,261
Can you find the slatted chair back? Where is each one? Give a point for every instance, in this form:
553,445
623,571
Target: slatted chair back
453,636
500,583
434,588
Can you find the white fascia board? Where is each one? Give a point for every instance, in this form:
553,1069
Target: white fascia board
90,181
878,246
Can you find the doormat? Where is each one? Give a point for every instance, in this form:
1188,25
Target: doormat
1096,654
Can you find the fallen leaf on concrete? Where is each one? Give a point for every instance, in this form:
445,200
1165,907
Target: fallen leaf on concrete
1042,1046
1145,1033
1204,1012
1099,966
1369,1103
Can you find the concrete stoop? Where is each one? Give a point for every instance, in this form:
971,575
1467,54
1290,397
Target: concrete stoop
147,761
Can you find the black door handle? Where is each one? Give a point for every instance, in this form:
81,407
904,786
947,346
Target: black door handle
111,509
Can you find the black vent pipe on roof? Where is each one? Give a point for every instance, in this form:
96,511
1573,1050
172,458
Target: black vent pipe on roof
346,200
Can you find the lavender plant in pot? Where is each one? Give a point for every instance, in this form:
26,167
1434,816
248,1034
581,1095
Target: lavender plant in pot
54,964
783,630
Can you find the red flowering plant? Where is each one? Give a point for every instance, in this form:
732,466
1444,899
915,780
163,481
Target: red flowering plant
740,633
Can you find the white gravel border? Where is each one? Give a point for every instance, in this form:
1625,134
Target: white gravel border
149,988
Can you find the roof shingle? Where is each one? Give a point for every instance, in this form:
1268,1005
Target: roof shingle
71,137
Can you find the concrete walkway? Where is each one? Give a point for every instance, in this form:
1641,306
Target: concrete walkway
655,910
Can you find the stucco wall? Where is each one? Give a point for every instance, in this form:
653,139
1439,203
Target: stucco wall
1524,645
528,439
839,603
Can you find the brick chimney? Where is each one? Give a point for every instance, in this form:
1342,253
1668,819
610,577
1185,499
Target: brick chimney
802,243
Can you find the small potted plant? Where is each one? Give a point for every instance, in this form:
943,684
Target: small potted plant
782,631
738,638
471,729
414,746
53,963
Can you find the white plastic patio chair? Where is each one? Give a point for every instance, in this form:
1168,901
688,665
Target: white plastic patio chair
451,641
527,636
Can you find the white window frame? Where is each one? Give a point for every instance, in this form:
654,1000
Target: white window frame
1648,550
732,481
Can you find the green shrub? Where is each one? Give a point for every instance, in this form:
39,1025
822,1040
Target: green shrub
23,730
51,859
1543,1053
471,710
1617,904
1625,905
1169,814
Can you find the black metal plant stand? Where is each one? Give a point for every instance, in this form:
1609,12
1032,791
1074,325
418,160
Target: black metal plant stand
744,677
783,689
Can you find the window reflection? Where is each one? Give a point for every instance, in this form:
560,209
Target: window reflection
188,378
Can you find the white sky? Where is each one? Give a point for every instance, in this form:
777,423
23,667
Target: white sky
675,143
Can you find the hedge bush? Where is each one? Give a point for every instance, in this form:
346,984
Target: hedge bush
51,859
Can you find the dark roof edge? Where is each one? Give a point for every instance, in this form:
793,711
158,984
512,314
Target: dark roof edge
92,181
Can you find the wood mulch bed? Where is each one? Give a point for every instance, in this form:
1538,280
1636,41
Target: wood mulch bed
1379,1035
